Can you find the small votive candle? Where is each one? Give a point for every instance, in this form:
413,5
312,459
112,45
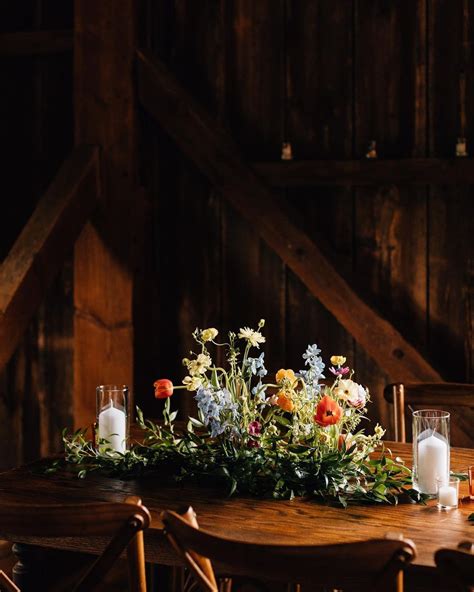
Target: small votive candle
470,471
448,493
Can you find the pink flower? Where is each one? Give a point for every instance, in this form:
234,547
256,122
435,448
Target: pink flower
253,444
358,400
339,371
255,427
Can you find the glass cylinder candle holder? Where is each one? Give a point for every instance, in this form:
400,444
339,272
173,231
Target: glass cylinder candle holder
431,450
448,493
112,418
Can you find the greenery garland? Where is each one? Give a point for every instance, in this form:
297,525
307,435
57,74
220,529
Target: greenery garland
294,437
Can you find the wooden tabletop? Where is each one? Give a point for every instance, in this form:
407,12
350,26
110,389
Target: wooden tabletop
249,519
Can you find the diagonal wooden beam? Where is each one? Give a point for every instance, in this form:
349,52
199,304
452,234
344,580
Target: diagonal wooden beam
44,243
212,149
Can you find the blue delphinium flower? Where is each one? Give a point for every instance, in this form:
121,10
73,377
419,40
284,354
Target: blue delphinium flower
257,365
314,373
217,409
258,392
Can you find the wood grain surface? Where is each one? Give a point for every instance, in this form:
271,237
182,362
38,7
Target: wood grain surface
249,519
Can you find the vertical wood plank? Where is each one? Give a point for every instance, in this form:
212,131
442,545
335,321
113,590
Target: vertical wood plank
104,42
451,209
390,222
254,277
319,125
188,246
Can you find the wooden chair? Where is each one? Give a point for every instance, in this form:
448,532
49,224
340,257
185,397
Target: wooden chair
457,565
124,522
425,395
368,565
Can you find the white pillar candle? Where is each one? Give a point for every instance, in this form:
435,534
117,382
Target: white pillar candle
432,463
113,427
447,496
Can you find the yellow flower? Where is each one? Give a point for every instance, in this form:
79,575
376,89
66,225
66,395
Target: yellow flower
283,374
198,366
209,334
192,383
379,431
338,360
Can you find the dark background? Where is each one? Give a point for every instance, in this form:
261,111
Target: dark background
328,76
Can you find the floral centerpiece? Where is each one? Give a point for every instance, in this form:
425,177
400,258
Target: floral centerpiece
291,436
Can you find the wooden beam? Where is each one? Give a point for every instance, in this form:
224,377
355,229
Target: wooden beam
104,46
44,244
213,151
35,42
407,171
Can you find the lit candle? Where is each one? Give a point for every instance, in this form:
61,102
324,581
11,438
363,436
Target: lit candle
447,496
113,427
432,463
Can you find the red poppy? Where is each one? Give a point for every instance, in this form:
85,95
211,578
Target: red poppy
328,412
163,388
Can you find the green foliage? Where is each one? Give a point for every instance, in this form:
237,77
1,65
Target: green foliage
281,471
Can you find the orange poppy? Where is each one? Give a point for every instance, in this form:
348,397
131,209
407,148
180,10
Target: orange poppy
328,412
282,374
163,388
284,402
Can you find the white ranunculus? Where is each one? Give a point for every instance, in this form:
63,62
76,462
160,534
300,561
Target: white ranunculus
255,338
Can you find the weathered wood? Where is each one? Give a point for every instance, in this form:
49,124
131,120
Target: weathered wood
193,228
390,221
43,244
298,521
213,151
450,210
35,42
104,40
319,125
402,171
254,78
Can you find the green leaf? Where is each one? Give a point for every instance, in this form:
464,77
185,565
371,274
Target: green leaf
141,420
196,422
282,420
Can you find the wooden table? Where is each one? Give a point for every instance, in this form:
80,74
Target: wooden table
250,519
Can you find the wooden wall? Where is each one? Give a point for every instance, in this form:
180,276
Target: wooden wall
329,77
36,115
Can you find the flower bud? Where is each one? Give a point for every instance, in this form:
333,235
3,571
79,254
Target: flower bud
163,388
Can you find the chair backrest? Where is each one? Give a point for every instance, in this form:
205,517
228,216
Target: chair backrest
123,522
457,565
425,395
368,565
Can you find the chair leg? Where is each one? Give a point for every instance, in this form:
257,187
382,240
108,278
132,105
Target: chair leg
136,563
29,570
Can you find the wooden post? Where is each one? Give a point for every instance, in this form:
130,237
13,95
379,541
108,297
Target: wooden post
104,40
